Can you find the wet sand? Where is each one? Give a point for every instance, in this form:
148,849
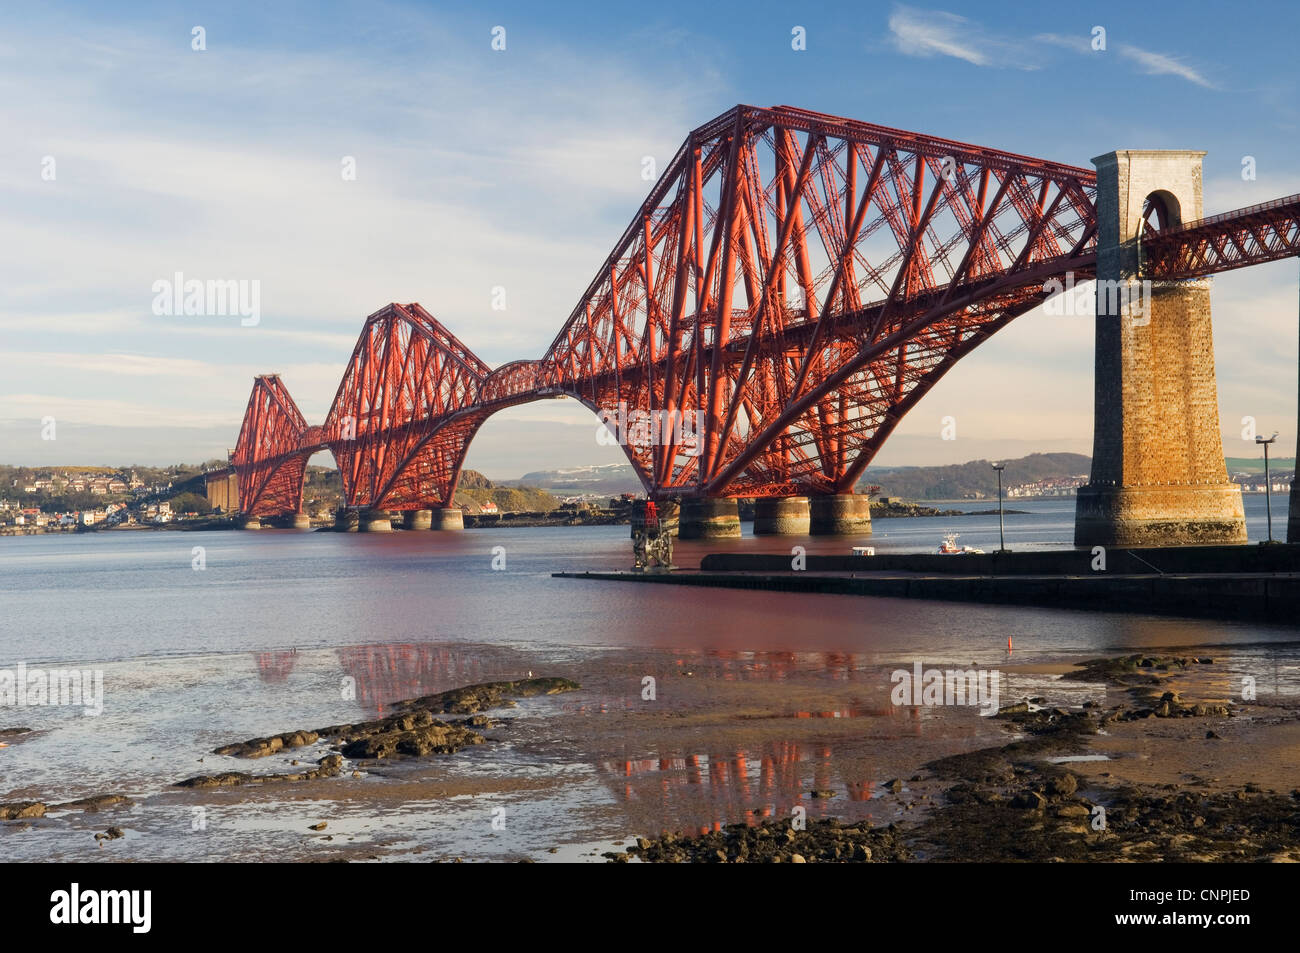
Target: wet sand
722,748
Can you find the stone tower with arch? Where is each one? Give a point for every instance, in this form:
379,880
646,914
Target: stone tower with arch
1158,472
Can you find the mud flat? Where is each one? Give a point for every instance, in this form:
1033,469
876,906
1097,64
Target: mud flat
1068,786
747,756
413,732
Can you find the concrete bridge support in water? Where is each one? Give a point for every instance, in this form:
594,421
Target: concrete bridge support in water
417,519
781,516
449,518
843,514
349,520
290,522
375,521
300,521
1158,473
703,518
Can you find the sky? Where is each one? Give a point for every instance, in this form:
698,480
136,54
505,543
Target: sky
128,156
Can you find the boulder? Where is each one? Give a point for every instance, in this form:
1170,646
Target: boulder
16,810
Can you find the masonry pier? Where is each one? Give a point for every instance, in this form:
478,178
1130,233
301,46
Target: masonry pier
1158,473
782,516
709,518
844,514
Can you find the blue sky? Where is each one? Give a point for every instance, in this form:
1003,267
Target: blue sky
478,168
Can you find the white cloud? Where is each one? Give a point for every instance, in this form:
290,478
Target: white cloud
147,365
928,33
472,172
1079,44
130,365
105,411
1158,64
936,33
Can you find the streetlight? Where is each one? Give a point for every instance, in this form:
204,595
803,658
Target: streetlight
1268,486
1002,537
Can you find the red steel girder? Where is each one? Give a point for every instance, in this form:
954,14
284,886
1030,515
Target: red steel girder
1247,236
738,290
270,457
386,427
791,287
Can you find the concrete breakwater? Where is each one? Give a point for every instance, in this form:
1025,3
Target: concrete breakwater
1265,596
1272,558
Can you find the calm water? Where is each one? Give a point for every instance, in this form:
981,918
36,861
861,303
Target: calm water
260,639
116,596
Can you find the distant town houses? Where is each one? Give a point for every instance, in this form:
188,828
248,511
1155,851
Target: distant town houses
29,518
122,498
1060,486
1252,482
1069,486
73,482
1276,486
100,487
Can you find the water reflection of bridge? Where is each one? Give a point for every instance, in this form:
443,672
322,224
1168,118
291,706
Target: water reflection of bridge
384,674
674,786
275,666
702,789
733,664
699,792
388,673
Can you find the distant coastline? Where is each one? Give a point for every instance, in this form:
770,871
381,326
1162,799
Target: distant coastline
892,509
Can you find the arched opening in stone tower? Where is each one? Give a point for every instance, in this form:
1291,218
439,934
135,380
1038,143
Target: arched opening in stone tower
1160,211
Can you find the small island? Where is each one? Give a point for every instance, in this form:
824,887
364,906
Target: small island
891,508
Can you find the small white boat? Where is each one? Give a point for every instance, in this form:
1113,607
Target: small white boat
864,550
949,547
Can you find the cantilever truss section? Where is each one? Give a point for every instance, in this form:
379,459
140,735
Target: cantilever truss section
270,459
791,287
390,426
796,282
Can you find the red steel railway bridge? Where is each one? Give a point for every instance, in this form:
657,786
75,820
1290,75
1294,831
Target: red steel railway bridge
793,285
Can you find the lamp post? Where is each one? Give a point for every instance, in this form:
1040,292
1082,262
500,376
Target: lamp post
1268,485
1002,537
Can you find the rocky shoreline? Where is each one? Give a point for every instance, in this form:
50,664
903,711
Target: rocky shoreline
896,510
1157,764
413,732
1012,803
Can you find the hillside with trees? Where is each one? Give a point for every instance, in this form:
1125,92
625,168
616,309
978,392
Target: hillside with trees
973,480
477,488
